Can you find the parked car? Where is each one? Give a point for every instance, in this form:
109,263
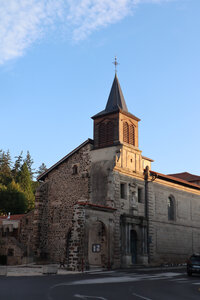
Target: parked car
193,264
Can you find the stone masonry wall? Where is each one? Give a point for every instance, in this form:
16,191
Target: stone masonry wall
55,201
40,223
76,259
26,232
172,241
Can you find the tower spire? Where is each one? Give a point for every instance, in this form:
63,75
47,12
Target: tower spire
116,99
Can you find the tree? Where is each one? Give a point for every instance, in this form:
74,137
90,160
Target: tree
25,182
29,161
12,199
17,165
5,168
2,187
42,168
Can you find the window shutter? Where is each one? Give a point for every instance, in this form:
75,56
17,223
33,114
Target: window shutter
132,135
125,132
110,132
102,134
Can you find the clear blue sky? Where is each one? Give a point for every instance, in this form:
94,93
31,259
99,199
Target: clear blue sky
56,72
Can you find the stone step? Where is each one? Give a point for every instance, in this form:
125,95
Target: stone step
93,268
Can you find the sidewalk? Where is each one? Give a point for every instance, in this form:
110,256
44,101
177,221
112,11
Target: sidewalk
38,270
157,268
31,270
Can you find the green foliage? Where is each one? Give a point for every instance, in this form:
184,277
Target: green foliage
17,165
12,199
29,161
25,182
5,168
35,185
42,168
17,187
2,187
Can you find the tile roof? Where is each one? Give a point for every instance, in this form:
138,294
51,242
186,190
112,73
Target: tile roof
12,217
175,180
186,176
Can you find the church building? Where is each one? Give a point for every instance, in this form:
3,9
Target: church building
103,205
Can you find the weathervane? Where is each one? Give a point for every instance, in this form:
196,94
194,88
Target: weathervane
116,64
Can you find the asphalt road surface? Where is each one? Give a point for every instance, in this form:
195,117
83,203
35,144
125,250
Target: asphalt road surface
113,285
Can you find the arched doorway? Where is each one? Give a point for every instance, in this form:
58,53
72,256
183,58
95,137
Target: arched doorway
133,246
98,246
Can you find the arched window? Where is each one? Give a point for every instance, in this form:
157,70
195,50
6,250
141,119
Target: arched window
109,131
75,170
125,132
171,208
132,135
102,134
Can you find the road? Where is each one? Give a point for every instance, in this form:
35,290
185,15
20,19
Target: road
113,285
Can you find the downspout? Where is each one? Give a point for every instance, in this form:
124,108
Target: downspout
147,180
146,177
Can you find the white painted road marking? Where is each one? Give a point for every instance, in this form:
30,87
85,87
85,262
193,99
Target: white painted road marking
89,297
139,296
104,280
168,274
121,279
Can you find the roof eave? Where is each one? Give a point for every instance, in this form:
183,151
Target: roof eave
147,158
175,180
43,175
105,113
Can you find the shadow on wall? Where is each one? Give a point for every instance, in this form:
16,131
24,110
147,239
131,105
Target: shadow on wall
99,182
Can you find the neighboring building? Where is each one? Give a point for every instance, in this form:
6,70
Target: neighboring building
103,205
15,239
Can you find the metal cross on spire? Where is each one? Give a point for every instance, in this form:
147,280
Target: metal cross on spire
116,64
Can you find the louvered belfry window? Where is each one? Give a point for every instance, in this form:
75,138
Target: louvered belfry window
128,133
132,135
106,134
102,134
109,132
125,132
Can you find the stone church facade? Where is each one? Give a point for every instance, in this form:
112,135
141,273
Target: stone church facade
102,205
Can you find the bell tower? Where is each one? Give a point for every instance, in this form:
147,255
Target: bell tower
115,125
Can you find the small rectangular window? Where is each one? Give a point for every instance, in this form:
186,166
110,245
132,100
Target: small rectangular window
123,190
10,252
74,170
140,195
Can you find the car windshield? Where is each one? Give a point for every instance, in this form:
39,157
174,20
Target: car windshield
195,259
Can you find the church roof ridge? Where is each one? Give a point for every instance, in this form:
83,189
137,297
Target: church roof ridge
41,177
